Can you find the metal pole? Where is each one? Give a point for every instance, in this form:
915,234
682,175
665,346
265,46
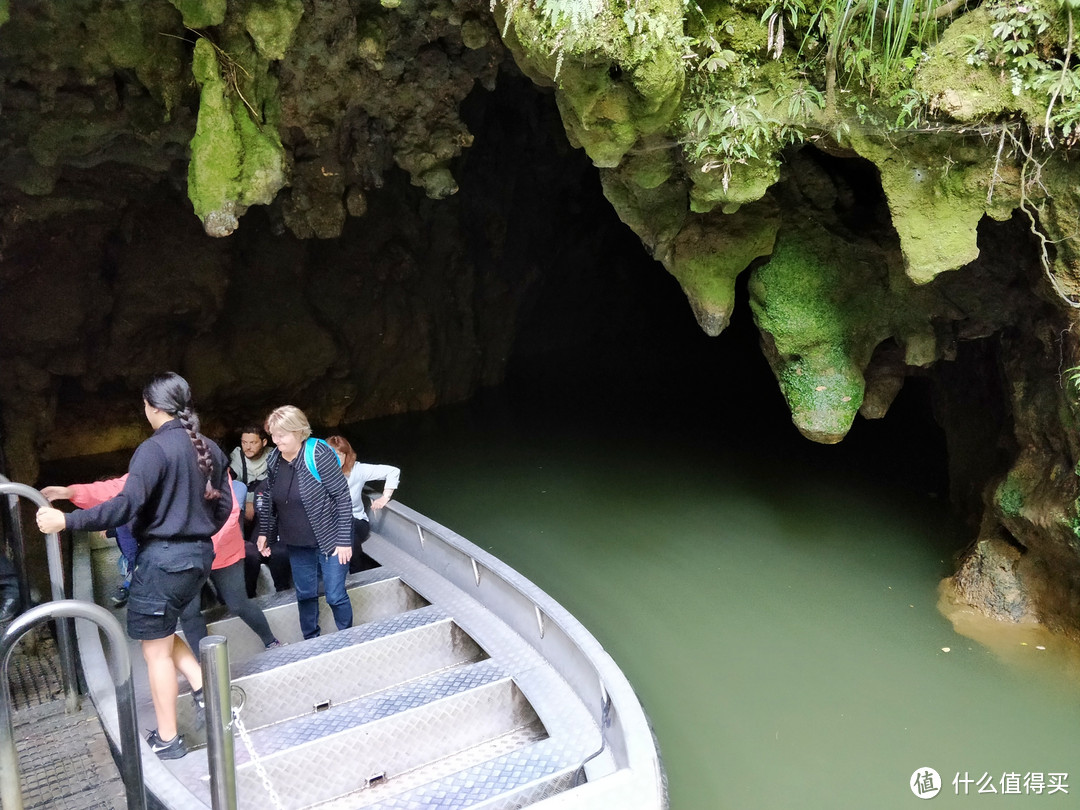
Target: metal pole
130,759
65,634
220,744
14,532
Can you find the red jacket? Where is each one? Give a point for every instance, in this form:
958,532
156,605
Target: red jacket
228,542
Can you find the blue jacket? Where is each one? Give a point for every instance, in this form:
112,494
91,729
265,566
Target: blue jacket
327,504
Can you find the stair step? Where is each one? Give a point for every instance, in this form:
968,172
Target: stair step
411,728
374,594
305,678
506,772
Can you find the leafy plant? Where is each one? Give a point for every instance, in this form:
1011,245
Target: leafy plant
1071,376
1024,45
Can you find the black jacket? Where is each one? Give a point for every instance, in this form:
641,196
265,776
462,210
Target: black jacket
164,490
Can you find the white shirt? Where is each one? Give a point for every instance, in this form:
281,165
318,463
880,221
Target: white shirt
362,473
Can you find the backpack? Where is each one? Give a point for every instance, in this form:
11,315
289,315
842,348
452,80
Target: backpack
309,456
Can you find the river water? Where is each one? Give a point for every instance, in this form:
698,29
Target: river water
772,601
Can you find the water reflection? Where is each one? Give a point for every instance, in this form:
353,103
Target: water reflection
776,614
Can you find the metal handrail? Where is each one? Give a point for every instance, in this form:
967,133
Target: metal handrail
220,744
13,530
65,630
130,761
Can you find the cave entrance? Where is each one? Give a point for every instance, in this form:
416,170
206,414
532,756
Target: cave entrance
619,349
605,333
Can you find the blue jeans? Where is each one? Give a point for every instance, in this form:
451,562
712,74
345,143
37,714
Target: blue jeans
306,565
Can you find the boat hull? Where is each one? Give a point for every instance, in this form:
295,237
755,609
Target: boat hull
461,684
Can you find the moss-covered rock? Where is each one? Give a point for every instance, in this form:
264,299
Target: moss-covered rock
235,162
272,24
201,13
824,305
742,183
618,77
939,188
966,89
655,213
712,250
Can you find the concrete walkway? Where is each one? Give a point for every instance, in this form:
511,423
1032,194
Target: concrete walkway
64,759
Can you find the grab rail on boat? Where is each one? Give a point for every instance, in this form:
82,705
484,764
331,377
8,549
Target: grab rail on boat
130,761
12,525
220,745
64,629
542,622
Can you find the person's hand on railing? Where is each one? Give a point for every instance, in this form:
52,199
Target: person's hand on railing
387,494
58,493
50,521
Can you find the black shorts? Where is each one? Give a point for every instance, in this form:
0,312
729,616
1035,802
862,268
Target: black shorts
168,575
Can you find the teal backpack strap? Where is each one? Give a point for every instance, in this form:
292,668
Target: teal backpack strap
309,456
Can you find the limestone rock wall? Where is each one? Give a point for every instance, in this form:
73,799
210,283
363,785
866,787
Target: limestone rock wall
914,222
862,205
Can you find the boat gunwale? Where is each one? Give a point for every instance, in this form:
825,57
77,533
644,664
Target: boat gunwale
634,745
638,776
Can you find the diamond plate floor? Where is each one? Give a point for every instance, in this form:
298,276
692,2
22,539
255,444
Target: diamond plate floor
64,759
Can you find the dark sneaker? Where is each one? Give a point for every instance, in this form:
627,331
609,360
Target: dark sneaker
173,749
120,596
200,708
273,645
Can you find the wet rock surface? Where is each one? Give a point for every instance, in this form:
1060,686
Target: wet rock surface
356,206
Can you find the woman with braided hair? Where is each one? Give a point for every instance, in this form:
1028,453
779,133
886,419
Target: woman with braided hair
177,494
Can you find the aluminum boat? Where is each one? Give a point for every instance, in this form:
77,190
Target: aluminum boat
460,685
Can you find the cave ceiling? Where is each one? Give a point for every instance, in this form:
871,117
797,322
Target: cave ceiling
287,199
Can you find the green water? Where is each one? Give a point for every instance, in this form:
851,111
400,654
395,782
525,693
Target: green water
772,603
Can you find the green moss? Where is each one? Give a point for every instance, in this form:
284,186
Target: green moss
824,309
711,251
655,213
597,119
937,187
474,34
272,24
1009,497
649,168
740,31
1059,213
216,152
201,13
130,36
966,92
235,162
262,165
4,11
745,183
619,74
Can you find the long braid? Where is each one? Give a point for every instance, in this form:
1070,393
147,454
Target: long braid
170,393
190,422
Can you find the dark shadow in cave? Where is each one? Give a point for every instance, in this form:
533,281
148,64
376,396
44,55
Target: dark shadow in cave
619,349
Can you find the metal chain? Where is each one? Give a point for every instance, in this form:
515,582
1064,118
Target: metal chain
259,769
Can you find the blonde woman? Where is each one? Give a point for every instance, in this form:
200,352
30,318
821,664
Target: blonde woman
308,508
